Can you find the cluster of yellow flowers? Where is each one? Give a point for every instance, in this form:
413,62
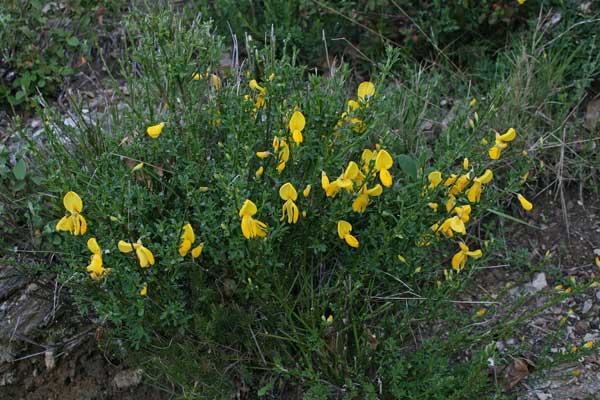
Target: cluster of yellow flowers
455,224
75,224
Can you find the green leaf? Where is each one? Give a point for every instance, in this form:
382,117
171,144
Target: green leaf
408,165
265,389
73,41
20,170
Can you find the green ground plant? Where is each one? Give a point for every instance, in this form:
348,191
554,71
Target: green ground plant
43,43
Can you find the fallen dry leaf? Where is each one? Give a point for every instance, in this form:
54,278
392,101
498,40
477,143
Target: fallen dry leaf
517,371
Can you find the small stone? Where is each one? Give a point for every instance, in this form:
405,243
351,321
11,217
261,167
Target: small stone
7,378
581,327
587,306
539,282
127,378
49,360
543,396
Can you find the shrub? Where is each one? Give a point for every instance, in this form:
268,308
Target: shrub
254,219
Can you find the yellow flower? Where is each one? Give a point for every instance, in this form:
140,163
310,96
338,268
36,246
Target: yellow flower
383,163
154,131
283,154
466,163
366,157
96,268
360,203
259,171
509,136
460,184
251,227
433,206
589,344
481,312
451,225
144,255
473,102
262,154
344,228
350,174
366,90
288,193
474,193
296,125
137,167
188,238
254,85
330,188
74,223
460,259
463,212
197,76
306,191
352,105
450,180
484,141
450,203
216,82
526,204
144,291
434,179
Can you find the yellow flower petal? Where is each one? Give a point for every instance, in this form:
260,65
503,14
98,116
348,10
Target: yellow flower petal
306,191
385,177
144,291
65,224
351,171
365,91
259,171
383,161
248,209
376,190
466,163
247,227
526,204
145,257
343,228
297,122
474,193
487,176
197,251
352,105
188,233
297,137
82,224
262,154
125,247
351,240
434,179
72,202
92,244
495,152
184,247
509,136
154,131
288,192
359,205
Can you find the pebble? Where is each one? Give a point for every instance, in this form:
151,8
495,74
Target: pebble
587,306
128,378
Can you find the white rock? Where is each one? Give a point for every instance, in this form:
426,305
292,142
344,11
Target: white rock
539,282
128,378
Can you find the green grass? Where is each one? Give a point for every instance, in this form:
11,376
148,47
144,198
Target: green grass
250,316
